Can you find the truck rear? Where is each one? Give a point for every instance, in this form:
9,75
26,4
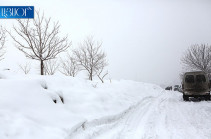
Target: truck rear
196,84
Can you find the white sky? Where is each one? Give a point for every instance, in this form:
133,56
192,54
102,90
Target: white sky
144,39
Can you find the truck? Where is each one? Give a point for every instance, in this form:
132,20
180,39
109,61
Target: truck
195,84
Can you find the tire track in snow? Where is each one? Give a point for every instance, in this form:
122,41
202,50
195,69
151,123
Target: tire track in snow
143,121
130,124
166,116
91,129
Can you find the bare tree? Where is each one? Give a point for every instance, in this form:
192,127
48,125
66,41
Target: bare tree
198,57
102,75
50,67
25,68
39,39
90,56
70,66
2,41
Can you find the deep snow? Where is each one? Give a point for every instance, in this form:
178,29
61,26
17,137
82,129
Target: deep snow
166,116
113,110
27,110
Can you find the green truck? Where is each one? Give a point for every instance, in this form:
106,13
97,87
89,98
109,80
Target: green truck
195,84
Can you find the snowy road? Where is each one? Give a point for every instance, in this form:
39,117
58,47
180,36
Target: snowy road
164,117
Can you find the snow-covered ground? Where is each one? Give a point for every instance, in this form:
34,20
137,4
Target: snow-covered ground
27,109
163,117
113,110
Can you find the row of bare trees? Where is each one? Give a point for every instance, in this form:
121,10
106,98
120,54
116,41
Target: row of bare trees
88,57
39,39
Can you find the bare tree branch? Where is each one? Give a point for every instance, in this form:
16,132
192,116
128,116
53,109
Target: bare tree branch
51,67
101,75
70,66
39,39
25,68
2,41
90,57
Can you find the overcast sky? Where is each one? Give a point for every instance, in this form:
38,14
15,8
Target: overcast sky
144,39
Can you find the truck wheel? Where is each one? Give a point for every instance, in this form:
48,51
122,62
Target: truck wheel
207,97
185,98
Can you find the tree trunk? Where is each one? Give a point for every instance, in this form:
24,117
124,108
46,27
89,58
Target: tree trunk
91,75
41,67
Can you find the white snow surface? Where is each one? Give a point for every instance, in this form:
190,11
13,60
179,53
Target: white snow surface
92,110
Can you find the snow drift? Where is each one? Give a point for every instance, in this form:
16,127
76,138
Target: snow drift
28,109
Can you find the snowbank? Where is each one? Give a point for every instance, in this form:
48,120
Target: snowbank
28,109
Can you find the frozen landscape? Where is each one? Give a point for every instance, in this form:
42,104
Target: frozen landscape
78,69
113,110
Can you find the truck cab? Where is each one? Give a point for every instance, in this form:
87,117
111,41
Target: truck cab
196,84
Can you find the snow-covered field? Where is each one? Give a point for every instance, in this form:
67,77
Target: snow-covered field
113,110
27,109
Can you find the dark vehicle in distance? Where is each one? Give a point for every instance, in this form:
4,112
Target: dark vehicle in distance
176,88
195,84
168,88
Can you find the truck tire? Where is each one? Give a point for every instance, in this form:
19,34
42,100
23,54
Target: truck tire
185,98
207,97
